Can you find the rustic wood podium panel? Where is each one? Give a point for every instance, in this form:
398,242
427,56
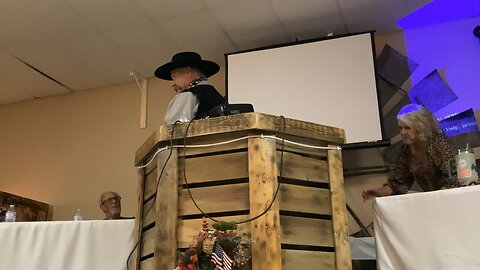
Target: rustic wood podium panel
305,226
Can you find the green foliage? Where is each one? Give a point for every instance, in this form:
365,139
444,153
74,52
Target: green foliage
225,226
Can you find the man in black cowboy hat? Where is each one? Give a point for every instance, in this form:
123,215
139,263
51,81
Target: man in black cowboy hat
195,96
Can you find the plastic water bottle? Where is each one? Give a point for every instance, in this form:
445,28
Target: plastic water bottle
11,214
78,216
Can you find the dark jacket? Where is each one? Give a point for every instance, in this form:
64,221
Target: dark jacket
208,98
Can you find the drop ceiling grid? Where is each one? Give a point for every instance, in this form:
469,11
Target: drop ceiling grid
310,19
90,44
198,32
249,23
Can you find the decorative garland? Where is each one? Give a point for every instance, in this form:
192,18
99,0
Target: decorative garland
219,248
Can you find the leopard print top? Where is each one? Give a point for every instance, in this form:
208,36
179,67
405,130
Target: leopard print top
430,173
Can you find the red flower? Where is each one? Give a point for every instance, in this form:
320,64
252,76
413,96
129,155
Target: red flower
183,267
194,258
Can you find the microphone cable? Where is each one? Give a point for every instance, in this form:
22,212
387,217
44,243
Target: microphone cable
278,177
155,193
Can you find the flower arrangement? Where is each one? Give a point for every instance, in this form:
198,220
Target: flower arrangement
217,248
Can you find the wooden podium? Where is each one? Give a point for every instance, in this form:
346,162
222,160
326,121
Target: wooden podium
233,165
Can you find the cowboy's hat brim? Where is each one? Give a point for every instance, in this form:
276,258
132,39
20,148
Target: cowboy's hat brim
208,68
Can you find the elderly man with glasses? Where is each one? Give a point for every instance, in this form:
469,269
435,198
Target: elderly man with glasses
110,203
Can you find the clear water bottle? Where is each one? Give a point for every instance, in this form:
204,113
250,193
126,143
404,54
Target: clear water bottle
78,216
11,214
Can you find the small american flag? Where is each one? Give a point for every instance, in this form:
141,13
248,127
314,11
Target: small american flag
220,258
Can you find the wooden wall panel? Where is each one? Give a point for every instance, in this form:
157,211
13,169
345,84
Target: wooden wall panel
302,259
166,214
214,199
149,213
27,209
300,167
150,184
340,221
213,168
306,231
148,264
306,215
305,199
217,139
138,218
299,149
240,124
147,246
265,230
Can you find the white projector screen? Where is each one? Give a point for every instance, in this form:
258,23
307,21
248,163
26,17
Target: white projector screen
329,82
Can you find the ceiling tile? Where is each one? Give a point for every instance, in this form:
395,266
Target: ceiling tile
53,59
102,57
7,62
43,20
249,23
109,14
382,15
11,31
198,32
19,80
147,44
159,10
307,19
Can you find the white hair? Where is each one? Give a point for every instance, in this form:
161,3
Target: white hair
421,119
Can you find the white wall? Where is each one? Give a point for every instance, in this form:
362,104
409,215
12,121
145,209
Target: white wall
65,150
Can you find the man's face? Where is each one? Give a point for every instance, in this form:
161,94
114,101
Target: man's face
409,134
111,205
181,78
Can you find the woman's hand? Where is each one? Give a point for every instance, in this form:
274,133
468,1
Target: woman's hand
369,194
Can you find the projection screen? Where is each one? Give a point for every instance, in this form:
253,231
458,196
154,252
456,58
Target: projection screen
330,82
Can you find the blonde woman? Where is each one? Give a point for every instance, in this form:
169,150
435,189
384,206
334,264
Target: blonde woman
424,157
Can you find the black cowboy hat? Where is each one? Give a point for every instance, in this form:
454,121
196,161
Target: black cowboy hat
186,59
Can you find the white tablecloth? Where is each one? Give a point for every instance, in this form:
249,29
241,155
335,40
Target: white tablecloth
66,245
437,230
362,248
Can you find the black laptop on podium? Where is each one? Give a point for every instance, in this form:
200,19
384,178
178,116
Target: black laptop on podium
229,109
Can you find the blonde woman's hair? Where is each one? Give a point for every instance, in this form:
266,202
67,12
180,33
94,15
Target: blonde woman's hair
421,119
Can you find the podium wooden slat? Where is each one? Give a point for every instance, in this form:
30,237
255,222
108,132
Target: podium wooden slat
147,246
295,198
231,166
166,211
148,264
340,222
304,229
301,259
241,123
265,233
296,166
215,199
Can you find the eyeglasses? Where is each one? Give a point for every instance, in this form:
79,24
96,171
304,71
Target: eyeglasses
112,200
